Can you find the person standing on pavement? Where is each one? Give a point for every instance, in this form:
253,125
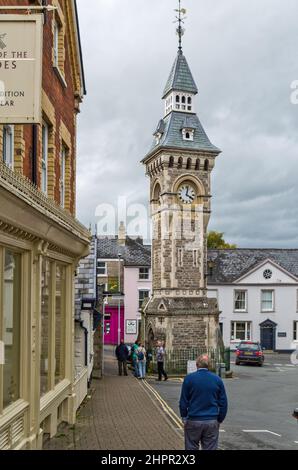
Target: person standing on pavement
122,354
134,358
141,353
160,359
203,407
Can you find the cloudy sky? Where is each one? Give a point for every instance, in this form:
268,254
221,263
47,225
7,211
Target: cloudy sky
244,57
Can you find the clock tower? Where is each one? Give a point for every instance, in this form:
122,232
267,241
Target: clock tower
179,165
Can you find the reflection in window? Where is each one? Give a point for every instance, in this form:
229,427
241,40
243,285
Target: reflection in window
45,326
60,325
11,327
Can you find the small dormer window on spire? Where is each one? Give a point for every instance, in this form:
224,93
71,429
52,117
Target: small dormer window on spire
188,129
188,134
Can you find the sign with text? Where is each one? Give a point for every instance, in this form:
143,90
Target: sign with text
20,69
131,327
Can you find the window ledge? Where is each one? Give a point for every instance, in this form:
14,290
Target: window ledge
60,76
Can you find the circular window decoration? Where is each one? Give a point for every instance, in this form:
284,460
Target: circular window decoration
268,274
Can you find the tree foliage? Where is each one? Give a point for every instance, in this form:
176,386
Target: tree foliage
216,242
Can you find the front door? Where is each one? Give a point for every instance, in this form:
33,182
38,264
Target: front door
268,334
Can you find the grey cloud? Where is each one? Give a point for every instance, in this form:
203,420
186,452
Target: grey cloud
244,58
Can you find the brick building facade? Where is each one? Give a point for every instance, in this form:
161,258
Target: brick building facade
41,242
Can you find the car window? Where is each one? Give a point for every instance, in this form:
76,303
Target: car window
249,347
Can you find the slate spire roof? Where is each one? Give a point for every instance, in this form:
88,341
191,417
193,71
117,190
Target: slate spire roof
180,78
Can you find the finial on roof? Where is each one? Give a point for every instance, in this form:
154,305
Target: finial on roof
180,20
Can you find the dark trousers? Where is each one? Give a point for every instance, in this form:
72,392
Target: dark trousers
201,433
122,365
161,371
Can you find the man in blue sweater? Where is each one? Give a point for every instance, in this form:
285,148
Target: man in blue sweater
203,407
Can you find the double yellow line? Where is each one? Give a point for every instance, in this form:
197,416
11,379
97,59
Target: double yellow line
167,409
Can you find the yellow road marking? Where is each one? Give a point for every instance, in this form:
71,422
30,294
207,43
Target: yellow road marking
171,413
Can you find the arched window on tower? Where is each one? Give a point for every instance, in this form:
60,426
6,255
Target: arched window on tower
198,164
177,102
171,162
183,99
188,165
206,165
180,163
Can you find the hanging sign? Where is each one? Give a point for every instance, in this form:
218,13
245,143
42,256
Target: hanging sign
20,69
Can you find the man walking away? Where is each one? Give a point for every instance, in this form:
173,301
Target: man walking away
122,354
203,407
160,359
141,352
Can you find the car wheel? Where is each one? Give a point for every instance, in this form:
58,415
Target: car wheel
237,363
260,364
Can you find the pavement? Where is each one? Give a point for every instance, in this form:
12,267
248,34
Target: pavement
261,402
121,413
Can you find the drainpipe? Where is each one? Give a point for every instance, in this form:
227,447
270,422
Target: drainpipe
34,154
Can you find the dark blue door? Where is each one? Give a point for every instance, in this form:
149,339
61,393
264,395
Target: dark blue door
268,332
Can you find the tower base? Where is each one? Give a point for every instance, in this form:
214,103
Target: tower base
181,323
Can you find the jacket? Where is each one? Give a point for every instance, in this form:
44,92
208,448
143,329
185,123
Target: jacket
122,352
203,397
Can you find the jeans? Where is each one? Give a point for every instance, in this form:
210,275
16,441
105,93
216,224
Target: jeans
204,433
161,371
142,369
122,364
135,366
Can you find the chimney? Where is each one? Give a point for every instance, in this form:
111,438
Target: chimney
122,234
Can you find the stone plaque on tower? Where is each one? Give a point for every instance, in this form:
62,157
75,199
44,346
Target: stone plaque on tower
179,166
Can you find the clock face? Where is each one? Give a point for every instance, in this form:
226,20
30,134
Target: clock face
187,194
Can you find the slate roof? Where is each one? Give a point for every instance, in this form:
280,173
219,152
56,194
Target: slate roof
134,253
230,265
172,135
180,78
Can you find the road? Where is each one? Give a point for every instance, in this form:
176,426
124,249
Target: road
261,402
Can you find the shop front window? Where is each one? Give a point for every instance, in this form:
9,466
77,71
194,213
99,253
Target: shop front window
46,298
60,324
11,327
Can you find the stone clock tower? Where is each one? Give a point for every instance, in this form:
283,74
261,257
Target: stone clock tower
179,165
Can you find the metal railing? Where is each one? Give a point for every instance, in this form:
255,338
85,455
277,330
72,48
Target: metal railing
176,361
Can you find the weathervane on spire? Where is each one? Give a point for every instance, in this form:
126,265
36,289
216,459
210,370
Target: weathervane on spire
180,20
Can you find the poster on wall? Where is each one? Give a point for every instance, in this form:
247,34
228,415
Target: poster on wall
131,327
20,69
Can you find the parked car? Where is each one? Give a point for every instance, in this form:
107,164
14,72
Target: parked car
250,353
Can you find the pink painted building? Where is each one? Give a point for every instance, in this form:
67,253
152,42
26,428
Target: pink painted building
124,272
137,287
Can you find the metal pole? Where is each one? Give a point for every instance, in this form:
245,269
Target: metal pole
119,299
103,337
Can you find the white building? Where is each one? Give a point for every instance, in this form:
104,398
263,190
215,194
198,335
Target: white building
257,292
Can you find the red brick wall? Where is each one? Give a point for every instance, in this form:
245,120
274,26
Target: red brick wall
61,98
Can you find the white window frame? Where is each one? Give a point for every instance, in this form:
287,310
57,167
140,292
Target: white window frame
248,331
105,267
8,145
56,43
62,174
146,274
239,310
264,310
142,300
44,157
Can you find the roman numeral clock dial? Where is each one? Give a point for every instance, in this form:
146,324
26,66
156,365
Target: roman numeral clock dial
187,194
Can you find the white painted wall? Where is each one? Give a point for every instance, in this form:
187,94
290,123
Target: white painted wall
132,285
284,314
